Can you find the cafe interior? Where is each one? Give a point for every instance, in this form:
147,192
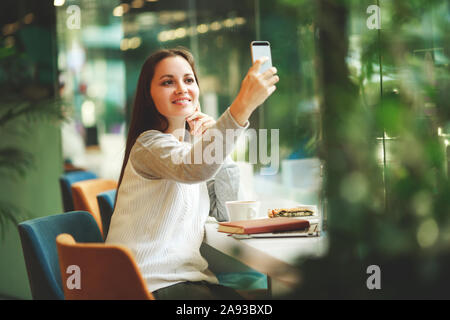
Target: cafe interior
358,131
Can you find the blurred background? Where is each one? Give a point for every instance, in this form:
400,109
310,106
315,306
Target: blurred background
362,110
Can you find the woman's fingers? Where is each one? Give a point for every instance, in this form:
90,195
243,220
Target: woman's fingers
202,127
269,73
272,89
193,116
258,63
273,80
199,122
256,88
208,124
201,117
271,77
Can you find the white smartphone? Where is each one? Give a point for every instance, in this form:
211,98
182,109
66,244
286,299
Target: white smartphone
261,49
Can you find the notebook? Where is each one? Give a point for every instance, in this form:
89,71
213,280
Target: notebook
312,231
266,225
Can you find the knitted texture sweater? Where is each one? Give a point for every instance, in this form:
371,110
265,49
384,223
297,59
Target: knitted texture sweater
162,203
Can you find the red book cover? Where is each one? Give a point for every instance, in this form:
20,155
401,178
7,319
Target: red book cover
263,225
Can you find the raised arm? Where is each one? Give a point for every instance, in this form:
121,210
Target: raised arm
159,155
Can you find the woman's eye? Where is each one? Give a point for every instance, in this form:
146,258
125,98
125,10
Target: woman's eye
167,82
190,80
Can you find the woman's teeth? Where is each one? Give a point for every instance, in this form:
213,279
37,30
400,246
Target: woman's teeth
182,101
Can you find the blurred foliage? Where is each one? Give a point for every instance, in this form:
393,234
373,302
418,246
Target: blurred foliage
386,181
27,95
288,26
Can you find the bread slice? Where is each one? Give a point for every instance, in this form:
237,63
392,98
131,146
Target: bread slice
290,212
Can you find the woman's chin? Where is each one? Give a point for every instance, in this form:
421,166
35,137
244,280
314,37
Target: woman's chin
180,111
184,110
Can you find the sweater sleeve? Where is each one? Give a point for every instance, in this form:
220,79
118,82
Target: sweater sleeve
223,187
157,155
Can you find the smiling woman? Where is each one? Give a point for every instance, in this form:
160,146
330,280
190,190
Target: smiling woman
162,206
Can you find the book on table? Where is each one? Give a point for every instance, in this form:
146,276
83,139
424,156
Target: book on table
263,225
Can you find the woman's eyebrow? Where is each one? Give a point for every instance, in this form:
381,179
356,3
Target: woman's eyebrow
171,76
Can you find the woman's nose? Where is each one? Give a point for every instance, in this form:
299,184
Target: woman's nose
181,88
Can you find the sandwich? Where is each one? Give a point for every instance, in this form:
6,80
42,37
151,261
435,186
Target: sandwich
290,212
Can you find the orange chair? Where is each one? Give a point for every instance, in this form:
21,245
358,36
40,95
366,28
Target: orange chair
105,272
85,193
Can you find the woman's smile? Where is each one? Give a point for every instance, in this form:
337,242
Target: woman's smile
184,101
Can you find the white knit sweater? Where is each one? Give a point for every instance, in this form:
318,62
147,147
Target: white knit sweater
162,206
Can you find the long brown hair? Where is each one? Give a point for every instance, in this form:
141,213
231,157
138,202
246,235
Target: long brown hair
145,116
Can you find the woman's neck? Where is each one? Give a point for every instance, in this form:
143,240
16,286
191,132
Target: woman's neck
177,128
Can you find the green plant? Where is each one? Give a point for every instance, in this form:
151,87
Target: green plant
24,100
389,209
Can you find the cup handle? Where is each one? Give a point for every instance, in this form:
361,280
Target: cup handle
252,213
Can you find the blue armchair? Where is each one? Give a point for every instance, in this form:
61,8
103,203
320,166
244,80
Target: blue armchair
106,202
38,238
66,181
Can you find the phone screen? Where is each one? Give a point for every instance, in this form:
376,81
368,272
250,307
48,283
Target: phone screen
261,49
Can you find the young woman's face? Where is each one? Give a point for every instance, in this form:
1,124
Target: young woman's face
174,89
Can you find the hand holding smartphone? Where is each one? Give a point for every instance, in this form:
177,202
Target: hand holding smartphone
258,84
261,49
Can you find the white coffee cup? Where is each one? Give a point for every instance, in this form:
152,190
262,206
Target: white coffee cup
242,209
